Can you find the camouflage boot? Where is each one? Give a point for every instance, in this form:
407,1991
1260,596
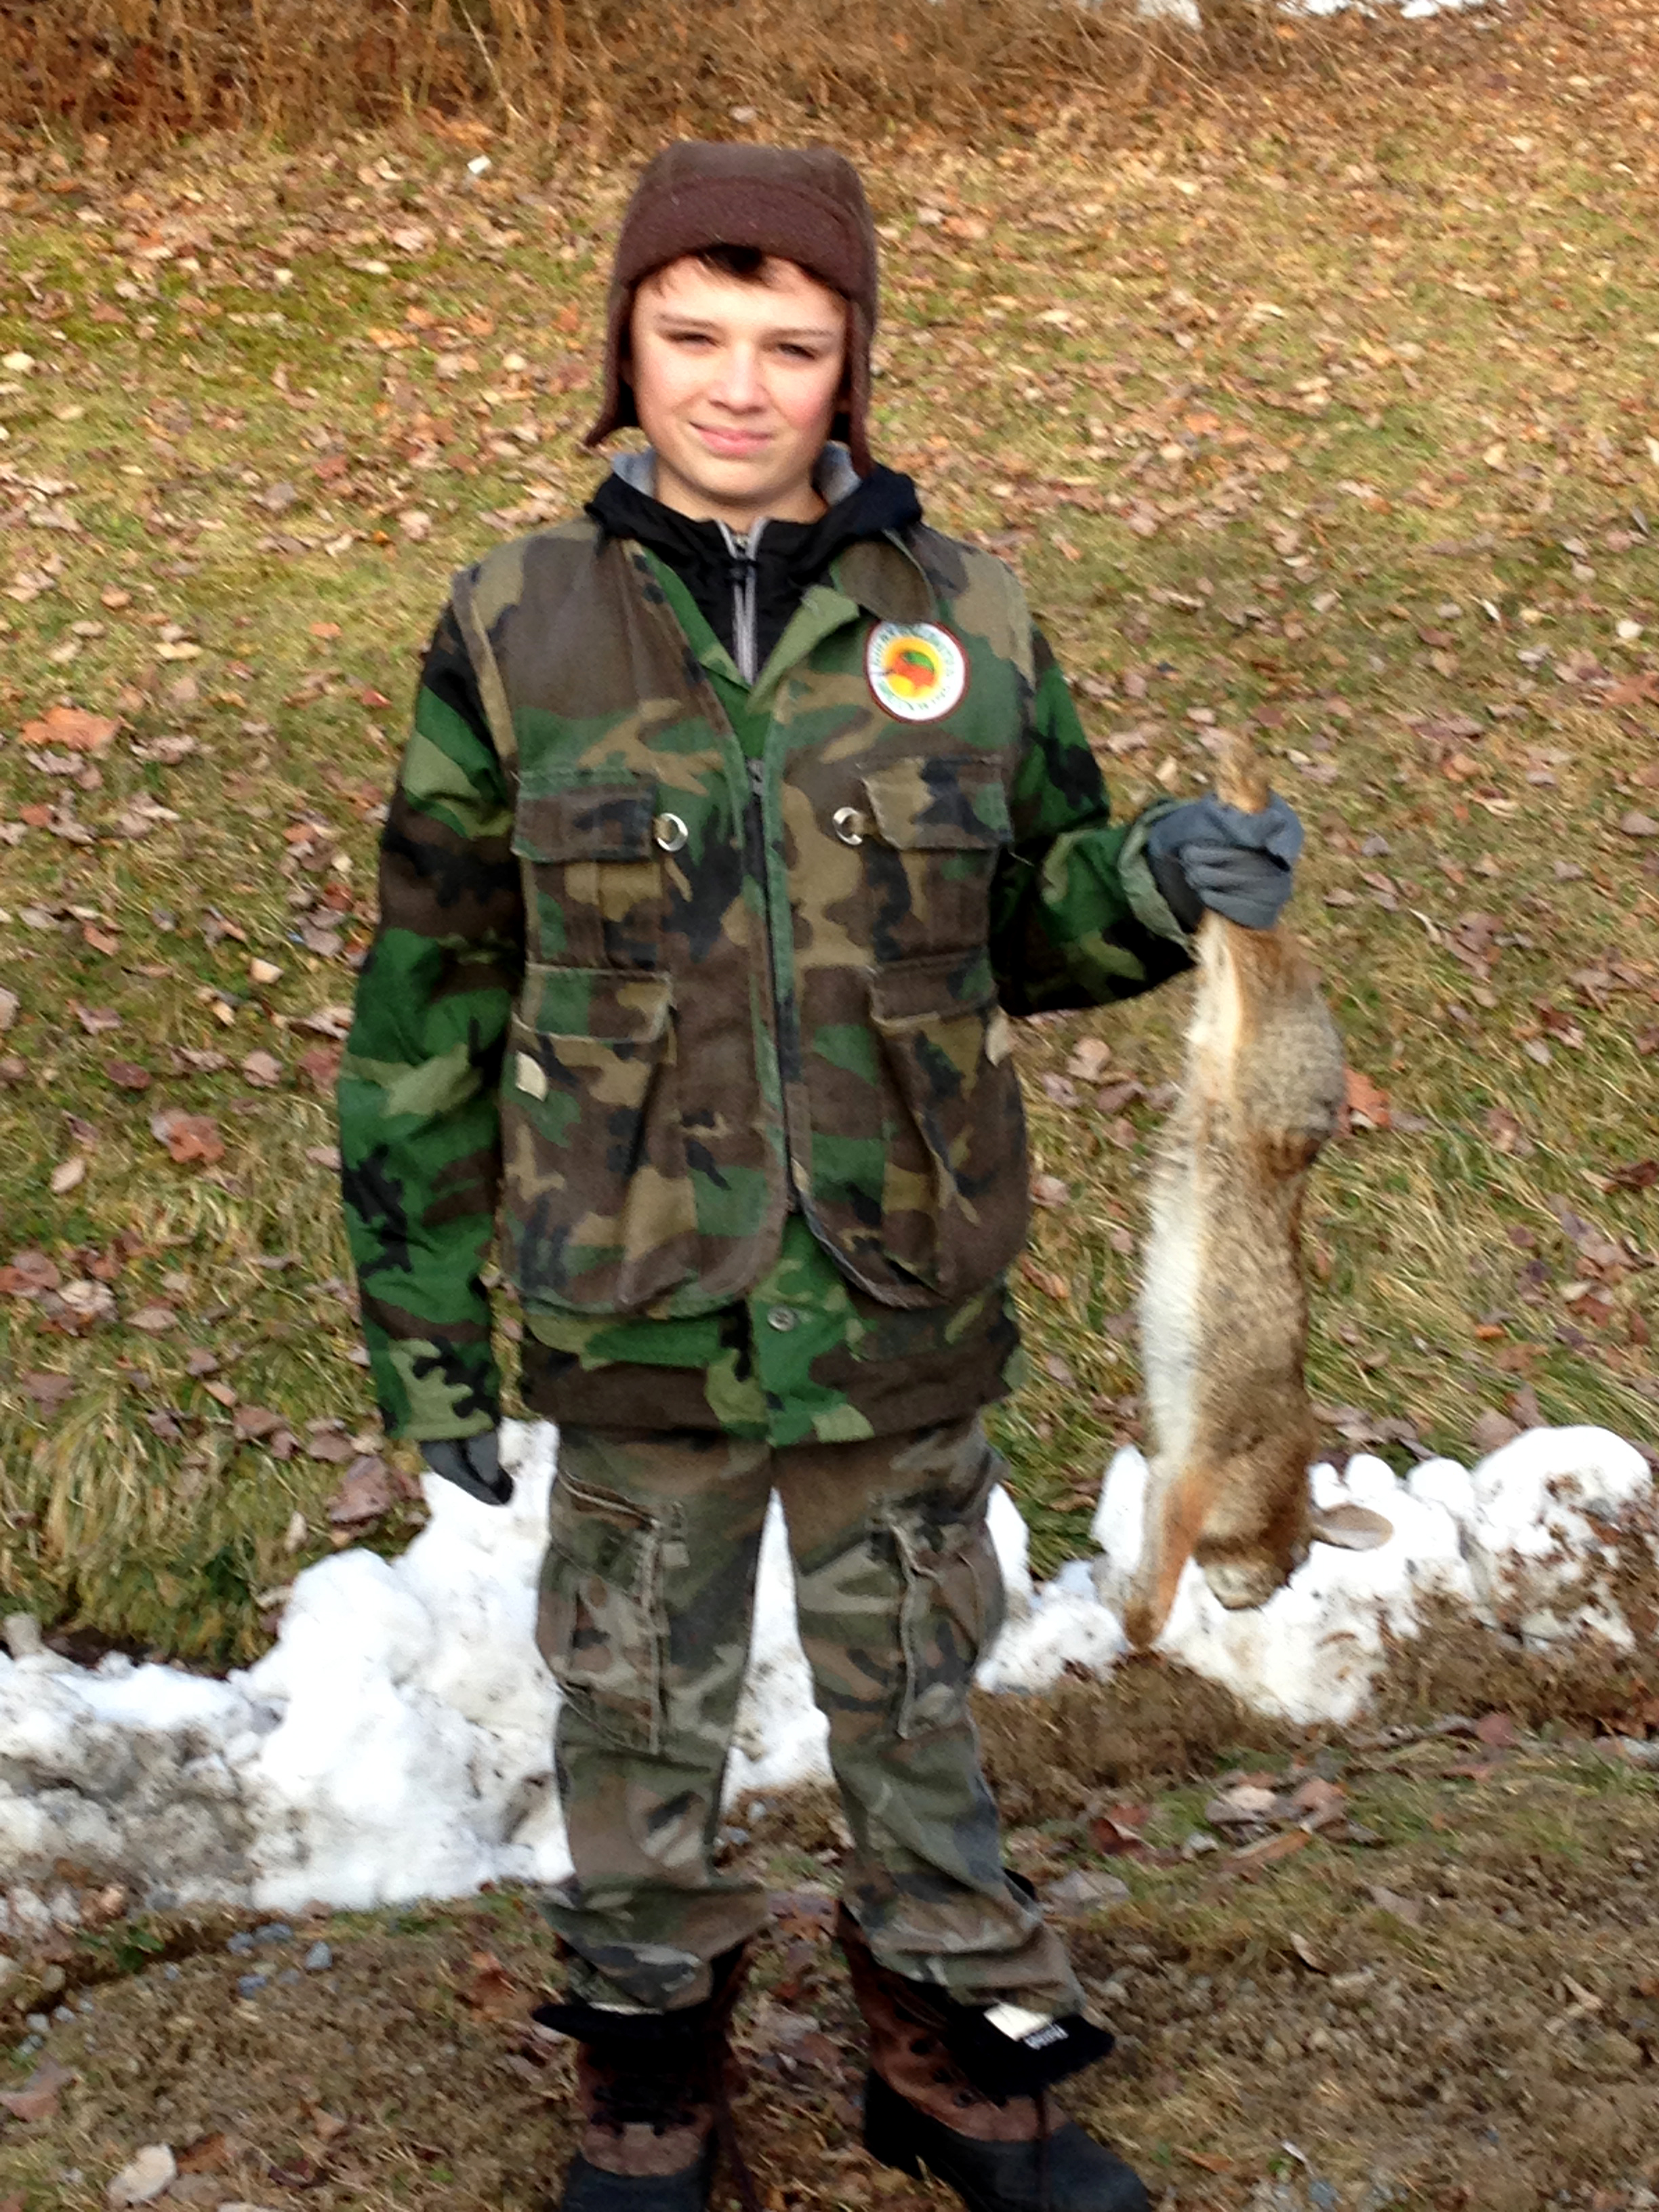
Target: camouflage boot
654,2091
953,2089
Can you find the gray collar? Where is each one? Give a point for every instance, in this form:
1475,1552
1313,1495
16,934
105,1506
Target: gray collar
833,479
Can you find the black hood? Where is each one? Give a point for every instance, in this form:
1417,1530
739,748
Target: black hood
768,572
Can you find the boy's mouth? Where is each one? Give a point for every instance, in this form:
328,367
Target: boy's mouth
731,444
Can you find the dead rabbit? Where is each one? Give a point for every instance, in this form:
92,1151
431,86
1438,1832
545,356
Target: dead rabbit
1224,1313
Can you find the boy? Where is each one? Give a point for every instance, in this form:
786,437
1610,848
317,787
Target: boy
740,814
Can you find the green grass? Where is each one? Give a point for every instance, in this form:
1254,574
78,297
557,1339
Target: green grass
1348,431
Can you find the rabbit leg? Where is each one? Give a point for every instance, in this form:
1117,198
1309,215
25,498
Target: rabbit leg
1175,1510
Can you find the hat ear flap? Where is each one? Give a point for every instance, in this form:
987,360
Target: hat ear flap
852,423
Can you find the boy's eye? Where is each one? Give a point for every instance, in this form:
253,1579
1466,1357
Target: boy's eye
792,352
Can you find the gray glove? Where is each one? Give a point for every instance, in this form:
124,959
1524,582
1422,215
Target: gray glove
473,1462
1206,853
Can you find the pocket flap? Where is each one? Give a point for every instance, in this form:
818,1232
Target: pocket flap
945,805
909,991
619,1005
589,822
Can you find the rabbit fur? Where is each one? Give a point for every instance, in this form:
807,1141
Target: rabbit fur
1223,1312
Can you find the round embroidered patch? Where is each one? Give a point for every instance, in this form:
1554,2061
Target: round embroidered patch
916,670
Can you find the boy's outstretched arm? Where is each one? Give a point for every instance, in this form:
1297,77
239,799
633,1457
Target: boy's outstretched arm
1084,909
420,1141
1076,914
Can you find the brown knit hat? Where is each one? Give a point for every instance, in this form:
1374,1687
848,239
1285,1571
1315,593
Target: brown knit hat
806,205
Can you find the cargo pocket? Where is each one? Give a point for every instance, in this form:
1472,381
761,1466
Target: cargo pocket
933,831
598,1618
599,1213
954,1200
592,857
951,1612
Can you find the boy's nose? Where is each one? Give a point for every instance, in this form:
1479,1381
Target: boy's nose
738,383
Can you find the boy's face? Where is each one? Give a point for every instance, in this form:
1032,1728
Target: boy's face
736,386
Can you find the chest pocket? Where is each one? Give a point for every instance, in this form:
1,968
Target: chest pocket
592,857
933,831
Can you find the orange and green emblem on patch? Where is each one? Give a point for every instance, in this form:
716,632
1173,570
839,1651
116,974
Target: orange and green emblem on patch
917,671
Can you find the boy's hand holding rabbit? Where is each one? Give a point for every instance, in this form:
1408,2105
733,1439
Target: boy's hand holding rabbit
1206,853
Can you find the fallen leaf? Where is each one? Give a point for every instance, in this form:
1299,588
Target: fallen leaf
38,2098
1267,1851
363,1495
48,1390
9,1002
29,1271
1634,824
1050,1190
1408,1908
1089,1058
250,1423
155,1321
1208,2161
1496,1731
492,1992
1491,1430
1366,1104
95,1020
1640,1174
806,1914
127,1075
1051,1284
144,2178
1304,1951
72,726
263,1069
1319,1802
68,1175
207,2154
188,1137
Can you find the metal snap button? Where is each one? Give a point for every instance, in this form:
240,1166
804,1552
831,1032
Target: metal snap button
846,823
781,1318
670,832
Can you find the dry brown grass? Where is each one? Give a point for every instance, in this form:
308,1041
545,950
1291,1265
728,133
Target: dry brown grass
607,69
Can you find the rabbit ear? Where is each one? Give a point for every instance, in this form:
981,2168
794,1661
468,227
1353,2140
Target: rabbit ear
1350,1527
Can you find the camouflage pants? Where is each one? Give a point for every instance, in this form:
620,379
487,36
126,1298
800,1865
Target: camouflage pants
648,1590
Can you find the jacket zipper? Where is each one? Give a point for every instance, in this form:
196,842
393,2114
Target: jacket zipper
746,556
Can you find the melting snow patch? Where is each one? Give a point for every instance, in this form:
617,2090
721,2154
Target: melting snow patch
396,1740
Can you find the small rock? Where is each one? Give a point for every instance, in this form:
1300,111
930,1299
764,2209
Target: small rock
1084,1891
240,1945
319,1959
36,2023
274,1931
249,1985
290,1974
144,2178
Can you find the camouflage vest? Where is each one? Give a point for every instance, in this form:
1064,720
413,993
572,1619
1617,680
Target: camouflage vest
756,983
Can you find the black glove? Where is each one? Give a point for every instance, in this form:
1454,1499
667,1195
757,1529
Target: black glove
1206,853
473,1462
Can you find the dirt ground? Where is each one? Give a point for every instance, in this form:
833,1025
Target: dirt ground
1416,1967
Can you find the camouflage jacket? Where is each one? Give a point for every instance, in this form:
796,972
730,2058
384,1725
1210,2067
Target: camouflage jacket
670,1001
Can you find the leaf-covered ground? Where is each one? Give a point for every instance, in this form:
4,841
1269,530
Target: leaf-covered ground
1332,412
1420,1969
1331,409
